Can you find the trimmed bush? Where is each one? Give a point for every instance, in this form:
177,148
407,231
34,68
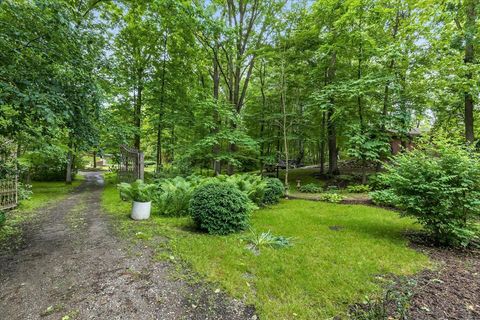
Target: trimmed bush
439,184
310,188
273,191
220,208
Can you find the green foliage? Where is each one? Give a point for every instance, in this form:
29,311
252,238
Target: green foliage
384,198
331,197
46,164
310,188
220,208
273,191
376,182
314,289
267,239
173,195
252,185
439,184
359,188
2,218
24,191
367,145
138,191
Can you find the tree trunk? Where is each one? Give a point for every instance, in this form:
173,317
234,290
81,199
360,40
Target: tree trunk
95,159
322,145
159,143
162,100
332,145
68,178
138,116
331,126
233,149
262,121
285,134
217,165
469,59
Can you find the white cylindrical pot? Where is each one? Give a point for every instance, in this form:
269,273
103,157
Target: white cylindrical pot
141,210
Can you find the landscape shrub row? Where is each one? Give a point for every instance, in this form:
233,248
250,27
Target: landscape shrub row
219,205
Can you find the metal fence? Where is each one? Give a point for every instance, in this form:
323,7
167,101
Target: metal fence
8,176
131,164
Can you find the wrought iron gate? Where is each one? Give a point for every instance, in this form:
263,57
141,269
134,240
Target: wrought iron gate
8,175
131,166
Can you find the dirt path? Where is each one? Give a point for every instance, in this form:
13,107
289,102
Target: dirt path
74,267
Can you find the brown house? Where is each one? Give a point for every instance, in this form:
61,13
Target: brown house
399,142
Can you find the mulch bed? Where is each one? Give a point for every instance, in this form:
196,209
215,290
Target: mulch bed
452,291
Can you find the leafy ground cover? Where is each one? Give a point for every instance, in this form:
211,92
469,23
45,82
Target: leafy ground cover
338,255
43,194
310,176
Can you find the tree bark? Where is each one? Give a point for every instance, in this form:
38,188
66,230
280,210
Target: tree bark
469,59
217,165
262,121
68,178
162,101
331,125
322,145
138,115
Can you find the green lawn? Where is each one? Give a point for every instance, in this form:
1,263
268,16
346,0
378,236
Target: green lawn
43,194
325,271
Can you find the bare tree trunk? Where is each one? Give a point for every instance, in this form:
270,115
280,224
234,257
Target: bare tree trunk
162,101
284,126
68,178
332,145
262,121
331,125
138,115
94,159
217,166
322,145
469,59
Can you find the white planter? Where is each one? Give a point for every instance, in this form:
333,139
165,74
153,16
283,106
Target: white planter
141,210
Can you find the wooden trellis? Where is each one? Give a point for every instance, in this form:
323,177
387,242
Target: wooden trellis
8,179
131,166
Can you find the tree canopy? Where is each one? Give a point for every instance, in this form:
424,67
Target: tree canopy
234,85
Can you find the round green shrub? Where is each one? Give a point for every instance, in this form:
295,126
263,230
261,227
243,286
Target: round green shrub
220,208
273,191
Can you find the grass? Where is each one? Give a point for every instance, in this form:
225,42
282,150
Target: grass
338,253
43,194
